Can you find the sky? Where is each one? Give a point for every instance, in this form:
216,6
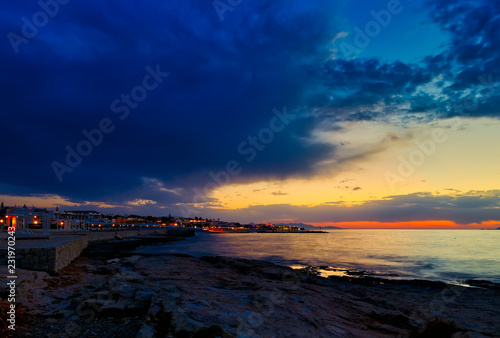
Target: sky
358,114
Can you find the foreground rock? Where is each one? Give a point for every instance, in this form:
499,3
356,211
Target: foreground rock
182,296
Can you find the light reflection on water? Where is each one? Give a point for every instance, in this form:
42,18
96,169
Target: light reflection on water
448,255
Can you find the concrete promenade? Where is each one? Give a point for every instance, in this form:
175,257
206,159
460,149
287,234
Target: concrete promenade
57,252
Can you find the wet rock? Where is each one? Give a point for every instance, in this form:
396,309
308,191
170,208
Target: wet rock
143,297
146,331
123,290
179,295
130,276
467,335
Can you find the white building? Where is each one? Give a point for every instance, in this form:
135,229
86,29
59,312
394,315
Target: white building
26,219
78,220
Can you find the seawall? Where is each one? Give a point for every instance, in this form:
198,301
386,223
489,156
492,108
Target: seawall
53,254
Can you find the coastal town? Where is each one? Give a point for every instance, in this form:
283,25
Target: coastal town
41,220
91,282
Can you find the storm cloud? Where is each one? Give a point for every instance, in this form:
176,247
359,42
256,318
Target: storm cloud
224,80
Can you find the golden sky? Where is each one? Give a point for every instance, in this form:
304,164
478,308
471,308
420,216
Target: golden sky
375,165
466,158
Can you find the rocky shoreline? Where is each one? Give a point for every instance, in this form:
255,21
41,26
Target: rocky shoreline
110,291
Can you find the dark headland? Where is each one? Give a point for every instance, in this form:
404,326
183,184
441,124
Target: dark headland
109,291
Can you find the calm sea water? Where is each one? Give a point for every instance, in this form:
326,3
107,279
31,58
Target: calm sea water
446,255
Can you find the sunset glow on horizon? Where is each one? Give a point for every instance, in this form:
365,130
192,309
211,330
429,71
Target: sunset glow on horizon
366,114
439,224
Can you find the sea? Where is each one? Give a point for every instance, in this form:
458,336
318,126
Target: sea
451,256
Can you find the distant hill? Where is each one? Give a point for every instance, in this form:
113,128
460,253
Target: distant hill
308,226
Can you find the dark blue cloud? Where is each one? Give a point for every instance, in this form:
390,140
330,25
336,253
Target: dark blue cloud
225,78
471,62
353,83
465,73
